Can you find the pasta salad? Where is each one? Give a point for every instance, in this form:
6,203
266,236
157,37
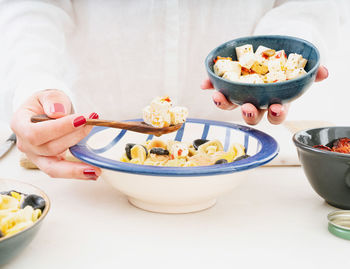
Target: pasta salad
200,152
18,211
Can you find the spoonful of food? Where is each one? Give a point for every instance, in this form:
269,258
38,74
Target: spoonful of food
135,126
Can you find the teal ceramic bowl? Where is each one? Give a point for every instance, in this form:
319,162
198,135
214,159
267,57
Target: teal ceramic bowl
11,246
328,172
263,95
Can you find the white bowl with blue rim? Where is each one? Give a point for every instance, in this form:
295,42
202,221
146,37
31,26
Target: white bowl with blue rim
175,189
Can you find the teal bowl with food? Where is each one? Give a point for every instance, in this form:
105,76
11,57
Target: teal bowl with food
263,70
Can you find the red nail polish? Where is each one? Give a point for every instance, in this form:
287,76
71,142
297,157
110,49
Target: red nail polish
248,115
90,173
327,71
93,115
57,108
217,103
79,121
275,114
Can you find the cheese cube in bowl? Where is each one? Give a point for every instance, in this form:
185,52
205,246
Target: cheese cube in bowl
283,56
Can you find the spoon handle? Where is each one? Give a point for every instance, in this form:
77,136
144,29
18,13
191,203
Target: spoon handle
97,122
40,118
134,126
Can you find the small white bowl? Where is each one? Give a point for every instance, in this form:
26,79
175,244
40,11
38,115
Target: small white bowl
175,189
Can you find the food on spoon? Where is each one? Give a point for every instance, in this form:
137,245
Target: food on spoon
18,211
161,113
264,66
174,153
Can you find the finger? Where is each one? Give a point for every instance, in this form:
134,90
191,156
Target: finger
56,168
55,103
251,114
43,132
277,113
221,102
206,85
60,145
322,74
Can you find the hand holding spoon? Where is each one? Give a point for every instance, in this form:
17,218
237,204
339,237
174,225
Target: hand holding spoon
135,126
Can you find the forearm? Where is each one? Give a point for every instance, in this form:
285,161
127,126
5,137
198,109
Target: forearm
32,48
316,21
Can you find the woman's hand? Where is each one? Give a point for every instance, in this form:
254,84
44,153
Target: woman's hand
276,112
45,143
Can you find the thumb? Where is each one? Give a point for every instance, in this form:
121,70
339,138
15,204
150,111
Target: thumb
55,103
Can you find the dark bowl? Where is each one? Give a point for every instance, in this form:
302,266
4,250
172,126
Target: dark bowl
263,95
11,246
328,172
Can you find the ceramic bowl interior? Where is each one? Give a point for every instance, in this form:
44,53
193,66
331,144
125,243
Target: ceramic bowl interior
103,147
262,95
328,172
11,246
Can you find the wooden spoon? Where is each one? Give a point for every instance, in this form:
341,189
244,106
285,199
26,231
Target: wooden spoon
135,126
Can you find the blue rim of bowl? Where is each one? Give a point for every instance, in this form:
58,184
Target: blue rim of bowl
268,150
210,55
309,148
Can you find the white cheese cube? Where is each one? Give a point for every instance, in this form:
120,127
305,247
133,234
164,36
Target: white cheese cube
222,66
295,73
178,114
275,77
281,56
179,150
293,61
260,50
254,78
247,60
302,63
275,65
233,76
156,118
161,104
240,51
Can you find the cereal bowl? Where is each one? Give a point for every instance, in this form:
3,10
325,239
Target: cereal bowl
328,172
13,245
264,94
175,189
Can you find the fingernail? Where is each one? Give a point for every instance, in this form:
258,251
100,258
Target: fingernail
326,70
90,173
79,121
275,114
57,108
93,115
248,114
217,103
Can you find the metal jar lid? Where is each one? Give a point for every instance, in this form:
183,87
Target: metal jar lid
339,223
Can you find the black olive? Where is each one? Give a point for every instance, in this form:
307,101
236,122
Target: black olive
145,150
221,161
159,151
34,201
9,192
242,157
198,142
331,143
128,148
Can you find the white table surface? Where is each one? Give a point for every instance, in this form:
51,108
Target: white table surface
272,220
